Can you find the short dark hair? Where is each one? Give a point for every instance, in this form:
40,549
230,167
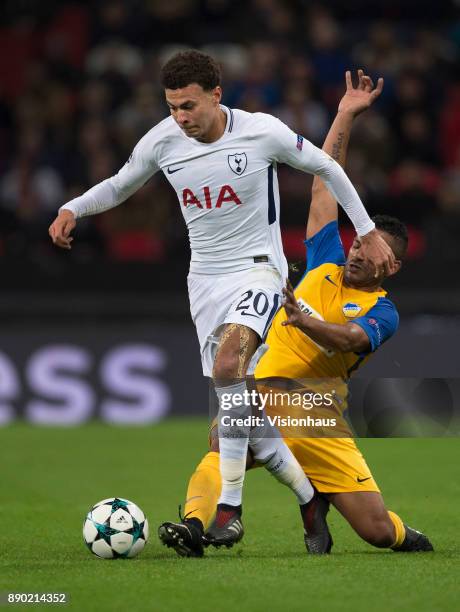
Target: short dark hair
189,67
397,230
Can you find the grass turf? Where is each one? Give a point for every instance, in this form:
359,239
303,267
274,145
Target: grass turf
50,478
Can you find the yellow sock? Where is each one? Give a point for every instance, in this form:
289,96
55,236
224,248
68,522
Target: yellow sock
203,490
399,529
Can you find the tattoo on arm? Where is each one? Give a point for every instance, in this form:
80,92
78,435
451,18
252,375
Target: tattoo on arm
337,147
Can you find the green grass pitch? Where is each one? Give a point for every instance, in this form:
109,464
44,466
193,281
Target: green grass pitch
50,478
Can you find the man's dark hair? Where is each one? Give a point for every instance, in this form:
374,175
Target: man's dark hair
190,67
397,230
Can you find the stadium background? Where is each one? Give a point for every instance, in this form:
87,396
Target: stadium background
104,329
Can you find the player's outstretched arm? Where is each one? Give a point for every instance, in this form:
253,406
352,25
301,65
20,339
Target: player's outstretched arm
341,338
323,208
103,196
286,147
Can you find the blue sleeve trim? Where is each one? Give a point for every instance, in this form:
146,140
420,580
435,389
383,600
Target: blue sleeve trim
379,323
325,247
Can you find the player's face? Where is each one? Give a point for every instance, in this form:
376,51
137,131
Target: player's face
360,269
195,110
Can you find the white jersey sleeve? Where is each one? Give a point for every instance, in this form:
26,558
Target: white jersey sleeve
132,176
294,150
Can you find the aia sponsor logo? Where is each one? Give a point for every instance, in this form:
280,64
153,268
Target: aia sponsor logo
205,199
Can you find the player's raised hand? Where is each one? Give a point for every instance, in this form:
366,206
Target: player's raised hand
293,312
380,253
358,99
61,228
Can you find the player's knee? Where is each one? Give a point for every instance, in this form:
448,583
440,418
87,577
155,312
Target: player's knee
230,364
226,366
378,532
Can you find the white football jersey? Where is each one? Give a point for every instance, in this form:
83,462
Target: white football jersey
227,189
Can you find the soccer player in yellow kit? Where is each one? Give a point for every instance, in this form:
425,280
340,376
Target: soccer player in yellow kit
333,321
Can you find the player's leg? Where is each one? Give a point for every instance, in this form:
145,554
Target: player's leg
237,345
236,348
186,537
270,450
266,444
337,468
258,296
277,458
247,322
365,511
203,492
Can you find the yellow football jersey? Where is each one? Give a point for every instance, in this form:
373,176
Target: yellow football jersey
322,294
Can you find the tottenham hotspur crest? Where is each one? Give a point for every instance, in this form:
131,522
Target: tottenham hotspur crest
238,162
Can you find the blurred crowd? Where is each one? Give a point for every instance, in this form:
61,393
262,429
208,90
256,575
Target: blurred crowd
80,86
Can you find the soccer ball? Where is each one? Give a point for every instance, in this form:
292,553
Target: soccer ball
115,527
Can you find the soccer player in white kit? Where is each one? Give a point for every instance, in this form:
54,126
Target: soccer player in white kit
222,163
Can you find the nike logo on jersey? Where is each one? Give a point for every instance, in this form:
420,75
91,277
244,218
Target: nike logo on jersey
328,278
363,479
175,170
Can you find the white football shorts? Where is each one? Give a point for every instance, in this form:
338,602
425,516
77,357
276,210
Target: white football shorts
248,297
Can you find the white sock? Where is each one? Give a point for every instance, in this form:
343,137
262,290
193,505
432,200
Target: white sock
269,449
233,441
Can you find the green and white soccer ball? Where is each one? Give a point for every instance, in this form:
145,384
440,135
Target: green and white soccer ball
115,527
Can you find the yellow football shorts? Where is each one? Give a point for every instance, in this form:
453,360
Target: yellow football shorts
334,465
